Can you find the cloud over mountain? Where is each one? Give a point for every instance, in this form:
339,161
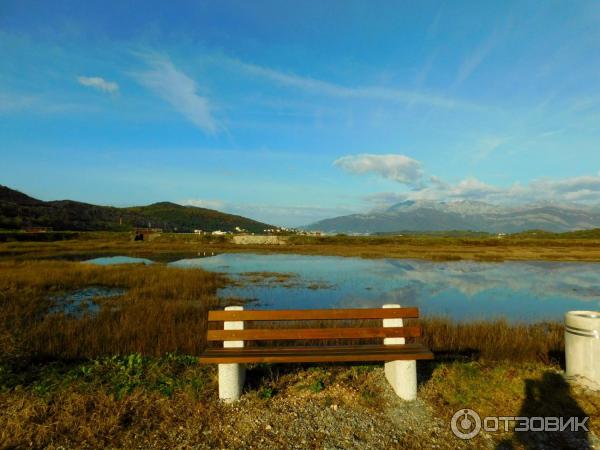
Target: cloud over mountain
410,172
393,167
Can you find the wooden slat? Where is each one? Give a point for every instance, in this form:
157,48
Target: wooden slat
368,348
315,314
310,333
316,354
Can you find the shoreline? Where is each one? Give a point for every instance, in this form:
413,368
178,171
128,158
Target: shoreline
421,248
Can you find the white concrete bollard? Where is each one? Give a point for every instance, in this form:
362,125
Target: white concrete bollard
582,347
402,375
232,376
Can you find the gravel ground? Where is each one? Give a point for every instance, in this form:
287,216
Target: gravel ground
336,418
340,417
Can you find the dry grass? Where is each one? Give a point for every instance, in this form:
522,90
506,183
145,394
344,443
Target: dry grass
111,402
422,247
509,389
162,310
172,402
495,340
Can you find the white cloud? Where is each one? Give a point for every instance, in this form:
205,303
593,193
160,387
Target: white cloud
582,189
201,203
99,83
400,168
179,90
393,167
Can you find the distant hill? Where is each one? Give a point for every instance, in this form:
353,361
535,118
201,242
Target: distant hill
18,210
428,216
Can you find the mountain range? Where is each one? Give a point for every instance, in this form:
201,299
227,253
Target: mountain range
18,210
423,216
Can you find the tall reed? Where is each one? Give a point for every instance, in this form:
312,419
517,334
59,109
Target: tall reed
495,340
162,309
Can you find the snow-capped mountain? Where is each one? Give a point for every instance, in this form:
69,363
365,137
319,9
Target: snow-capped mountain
465,215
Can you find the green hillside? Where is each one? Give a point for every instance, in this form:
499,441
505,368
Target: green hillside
17,210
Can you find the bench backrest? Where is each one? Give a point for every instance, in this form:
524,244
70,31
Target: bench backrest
324,332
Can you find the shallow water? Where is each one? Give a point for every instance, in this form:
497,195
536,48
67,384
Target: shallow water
463,290
111,260
79,302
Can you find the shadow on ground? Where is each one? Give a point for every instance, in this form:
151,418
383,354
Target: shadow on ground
549,397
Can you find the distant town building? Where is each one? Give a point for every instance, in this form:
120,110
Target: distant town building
148,230
37,229
218,233
144,234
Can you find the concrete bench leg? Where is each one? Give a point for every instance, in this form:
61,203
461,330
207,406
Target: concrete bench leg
231,381
402,375
232,376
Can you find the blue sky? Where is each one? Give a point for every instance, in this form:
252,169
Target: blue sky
290,112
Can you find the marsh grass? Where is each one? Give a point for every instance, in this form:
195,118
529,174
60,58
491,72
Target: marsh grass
568,247
162,310
495,340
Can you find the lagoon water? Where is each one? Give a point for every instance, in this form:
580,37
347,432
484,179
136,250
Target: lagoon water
464,290
110,260
81,301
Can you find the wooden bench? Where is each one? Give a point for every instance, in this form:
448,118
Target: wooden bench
399,357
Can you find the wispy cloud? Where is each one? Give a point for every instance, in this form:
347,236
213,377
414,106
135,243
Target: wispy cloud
10,102
487,145
433,27
393,167
480,53
99,83
179,90
378,93
16,102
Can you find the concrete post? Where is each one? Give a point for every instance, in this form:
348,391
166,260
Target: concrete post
582,347
232,376
402,375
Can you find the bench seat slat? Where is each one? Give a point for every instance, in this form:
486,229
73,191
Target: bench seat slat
311,333
315,354
315,314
